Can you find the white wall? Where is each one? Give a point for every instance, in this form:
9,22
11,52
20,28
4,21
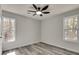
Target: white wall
52,32
0,46
27,31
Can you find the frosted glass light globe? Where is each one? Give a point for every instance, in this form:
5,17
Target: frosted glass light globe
38,12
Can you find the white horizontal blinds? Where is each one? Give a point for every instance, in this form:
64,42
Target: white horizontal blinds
70,28
9,29
0,28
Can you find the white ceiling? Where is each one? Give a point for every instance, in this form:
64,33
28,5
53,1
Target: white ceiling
54,9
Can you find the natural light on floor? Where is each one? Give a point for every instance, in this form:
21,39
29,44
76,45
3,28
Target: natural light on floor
12,53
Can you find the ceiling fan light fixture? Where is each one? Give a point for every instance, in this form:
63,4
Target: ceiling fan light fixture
38,12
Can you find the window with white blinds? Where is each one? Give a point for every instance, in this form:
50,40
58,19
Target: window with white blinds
8,29
71,28
0,28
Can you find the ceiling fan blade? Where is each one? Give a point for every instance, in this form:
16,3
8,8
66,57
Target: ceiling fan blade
34,14
31,11
28,13
35,6
38,8
45,12
45,8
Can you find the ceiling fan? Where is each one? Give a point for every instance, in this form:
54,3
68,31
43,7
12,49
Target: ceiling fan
39,11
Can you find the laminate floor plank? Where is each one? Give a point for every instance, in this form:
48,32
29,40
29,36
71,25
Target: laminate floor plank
38,49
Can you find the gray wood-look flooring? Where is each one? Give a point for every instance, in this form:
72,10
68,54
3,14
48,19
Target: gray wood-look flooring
38,49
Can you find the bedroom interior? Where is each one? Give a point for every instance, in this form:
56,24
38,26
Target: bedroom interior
39,29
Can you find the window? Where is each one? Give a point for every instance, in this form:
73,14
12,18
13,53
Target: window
0,28
8,29
71,28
